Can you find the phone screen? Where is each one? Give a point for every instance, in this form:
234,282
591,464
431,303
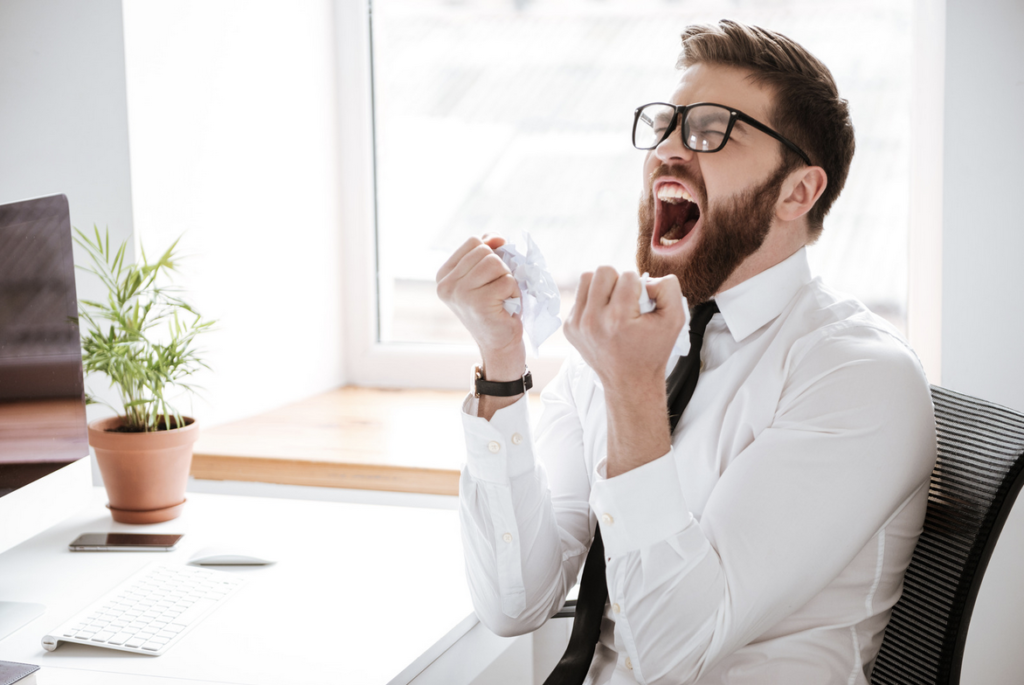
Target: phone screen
136,540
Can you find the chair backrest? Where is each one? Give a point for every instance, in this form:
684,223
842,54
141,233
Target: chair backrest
976,479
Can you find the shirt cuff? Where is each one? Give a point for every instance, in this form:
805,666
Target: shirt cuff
640,507
502,448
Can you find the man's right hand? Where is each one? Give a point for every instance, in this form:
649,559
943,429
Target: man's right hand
474,283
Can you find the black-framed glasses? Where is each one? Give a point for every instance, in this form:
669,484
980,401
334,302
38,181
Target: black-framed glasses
705,126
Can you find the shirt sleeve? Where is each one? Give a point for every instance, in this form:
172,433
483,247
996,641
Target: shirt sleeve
853,438
523,547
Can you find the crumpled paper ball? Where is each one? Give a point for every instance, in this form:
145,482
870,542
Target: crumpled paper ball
540,301
682,346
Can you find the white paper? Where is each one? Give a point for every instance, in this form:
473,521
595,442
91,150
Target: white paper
647,305
540,300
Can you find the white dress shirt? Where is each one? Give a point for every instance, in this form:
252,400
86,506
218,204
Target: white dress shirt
769,544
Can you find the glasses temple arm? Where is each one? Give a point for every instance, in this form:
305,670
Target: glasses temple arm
764,129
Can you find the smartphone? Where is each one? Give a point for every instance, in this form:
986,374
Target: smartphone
125,542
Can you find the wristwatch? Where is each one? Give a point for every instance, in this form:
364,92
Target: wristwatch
482,386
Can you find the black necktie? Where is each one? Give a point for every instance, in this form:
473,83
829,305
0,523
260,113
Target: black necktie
586,627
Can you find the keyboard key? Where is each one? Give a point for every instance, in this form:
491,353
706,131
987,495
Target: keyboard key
134,642
152,646
120,638
195,611
160,640
102,637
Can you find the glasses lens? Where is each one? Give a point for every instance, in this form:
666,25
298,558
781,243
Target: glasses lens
705,127
651,125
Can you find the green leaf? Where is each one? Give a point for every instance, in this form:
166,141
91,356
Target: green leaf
147,349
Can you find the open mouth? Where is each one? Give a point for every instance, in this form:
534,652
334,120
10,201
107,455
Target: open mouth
676,214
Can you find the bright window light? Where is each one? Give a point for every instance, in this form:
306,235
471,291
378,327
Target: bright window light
499,116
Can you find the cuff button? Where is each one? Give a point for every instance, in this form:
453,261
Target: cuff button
494,446
517,439
607,518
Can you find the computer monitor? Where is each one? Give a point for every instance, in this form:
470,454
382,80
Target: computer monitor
44,470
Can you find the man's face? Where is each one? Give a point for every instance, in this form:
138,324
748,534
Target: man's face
733,192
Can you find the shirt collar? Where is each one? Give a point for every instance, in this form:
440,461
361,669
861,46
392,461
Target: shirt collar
759,299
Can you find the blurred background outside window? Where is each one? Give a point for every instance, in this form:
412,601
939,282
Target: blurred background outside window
507,115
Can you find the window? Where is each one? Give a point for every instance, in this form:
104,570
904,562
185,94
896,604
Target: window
500,116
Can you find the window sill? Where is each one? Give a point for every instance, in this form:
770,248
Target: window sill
361,438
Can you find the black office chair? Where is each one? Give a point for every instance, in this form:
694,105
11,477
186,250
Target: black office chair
980,470
978,473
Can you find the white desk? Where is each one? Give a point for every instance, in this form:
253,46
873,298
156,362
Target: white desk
360,592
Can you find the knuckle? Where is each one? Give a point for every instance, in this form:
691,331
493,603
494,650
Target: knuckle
444,289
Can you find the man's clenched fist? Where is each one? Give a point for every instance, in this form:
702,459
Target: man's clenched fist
474,283
625,348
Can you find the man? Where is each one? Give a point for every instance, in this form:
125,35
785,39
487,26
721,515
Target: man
765,539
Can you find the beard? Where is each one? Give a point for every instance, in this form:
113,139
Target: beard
732,231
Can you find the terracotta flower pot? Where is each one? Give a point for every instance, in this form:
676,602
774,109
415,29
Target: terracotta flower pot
145,473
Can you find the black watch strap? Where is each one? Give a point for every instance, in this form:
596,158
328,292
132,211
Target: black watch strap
481,386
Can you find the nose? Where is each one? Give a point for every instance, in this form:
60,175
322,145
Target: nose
672,149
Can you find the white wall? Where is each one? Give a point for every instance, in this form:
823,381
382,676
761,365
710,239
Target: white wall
231,109
63,118
983,278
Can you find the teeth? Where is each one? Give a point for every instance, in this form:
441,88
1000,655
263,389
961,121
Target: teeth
666,241
673,193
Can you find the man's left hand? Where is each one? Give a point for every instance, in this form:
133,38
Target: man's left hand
627,349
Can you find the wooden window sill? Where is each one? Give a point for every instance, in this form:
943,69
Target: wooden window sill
362,438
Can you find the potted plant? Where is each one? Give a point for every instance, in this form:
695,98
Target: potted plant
142,339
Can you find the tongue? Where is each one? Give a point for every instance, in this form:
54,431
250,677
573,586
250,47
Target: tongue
680,218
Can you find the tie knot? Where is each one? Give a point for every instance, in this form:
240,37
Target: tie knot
702,314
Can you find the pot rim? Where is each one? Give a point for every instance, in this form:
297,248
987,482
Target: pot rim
105,425
101,437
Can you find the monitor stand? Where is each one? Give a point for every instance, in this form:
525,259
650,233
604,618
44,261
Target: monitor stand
14,615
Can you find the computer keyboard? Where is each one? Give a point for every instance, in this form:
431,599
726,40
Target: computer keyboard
150,611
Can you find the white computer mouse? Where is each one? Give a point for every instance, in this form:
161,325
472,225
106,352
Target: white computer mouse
227,556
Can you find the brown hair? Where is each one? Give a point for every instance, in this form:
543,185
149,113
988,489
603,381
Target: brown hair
807,108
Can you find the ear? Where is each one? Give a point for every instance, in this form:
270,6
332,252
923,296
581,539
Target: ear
800,191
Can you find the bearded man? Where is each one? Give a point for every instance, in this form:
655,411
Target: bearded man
746,512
